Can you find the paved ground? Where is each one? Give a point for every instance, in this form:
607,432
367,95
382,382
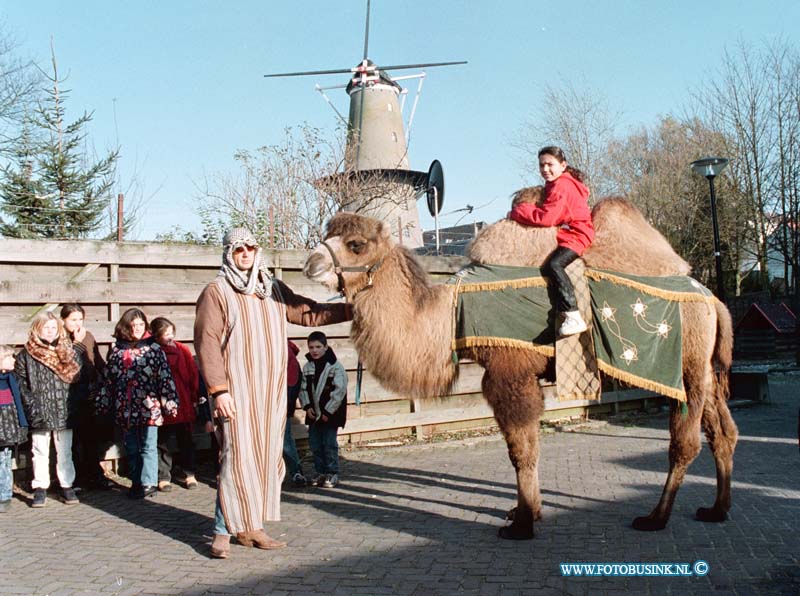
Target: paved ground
422,520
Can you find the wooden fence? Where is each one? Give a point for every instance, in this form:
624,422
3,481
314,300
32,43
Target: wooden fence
165,280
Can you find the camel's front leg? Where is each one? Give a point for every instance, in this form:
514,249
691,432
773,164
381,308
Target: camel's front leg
523,450
517,402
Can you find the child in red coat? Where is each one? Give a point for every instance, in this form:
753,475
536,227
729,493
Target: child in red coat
565,205
187,381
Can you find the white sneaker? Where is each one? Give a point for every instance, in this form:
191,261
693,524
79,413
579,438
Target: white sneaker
331,480
573,324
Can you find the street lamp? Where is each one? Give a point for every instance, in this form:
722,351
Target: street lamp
710,167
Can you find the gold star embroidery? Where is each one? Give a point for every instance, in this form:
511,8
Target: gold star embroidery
629,355
638,308
664,328
607,312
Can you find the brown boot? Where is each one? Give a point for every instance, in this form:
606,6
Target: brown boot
259,539
221,546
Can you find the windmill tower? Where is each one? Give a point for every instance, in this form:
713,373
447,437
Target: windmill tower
377,176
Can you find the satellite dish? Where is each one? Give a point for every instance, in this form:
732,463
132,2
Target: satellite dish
435,188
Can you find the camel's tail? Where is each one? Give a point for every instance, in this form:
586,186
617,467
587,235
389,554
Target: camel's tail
723,349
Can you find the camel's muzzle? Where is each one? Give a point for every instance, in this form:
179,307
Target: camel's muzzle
316,266
324,266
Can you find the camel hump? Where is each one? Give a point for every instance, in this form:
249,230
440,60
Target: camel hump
625,241
530,194
508,243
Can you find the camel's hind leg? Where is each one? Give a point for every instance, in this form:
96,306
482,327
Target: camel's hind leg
705,339
684,445
721,433
517,402
717,422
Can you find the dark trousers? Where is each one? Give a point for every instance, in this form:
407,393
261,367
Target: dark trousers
185,459
323,444
555,269
90,441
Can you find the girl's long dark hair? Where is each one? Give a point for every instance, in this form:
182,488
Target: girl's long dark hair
159,325
558,153
71,307
66,310
123,328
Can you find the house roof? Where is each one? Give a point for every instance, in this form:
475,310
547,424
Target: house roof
761,316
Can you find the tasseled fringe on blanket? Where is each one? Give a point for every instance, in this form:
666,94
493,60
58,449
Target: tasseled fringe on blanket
658,292
490,286
501,342
637,381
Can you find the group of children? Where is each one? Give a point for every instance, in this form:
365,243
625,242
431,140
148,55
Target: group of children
58,388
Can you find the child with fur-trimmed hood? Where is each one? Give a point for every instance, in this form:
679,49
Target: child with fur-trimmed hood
323,395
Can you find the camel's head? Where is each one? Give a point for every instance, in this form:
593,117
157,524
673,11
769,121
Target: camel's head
530,194
510,243
353,248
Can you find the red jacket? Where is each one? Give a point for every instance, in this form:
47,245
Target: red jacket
187,382
565,205
292,365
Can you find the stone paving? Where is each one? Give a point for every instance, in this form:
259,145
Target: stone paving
422,520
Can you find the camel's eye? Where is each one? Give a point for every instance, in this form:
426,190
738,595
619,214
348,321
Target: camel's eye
357,246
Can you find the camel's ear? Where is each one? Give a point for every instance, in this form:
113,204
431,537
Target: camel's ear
383,233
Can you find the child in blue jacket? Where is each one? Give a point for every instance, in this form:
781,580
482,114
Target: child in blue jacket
13,424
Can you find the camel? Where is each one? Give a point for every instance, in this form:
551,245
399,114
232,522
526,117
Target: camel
402,330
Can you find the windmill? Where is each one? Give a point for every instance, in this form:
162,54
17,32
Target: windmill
376,151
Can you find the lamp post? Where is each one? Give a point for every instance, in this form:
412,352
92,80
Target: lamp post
710,167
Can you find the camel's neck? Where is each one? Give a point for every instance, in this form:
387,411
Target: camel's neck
402,327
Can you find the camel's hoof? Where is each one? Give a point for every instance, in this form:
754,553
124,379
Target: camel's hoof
709,514
513,532
537,515
648,524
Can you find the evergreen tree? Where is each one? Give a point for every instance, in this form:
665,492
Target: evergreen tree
51,190
26,207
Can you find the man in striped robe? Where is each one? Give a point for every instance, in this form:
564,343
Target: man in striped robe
240,340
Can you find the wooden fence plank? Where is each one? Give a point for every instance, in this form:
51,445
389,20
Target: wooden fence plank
125,291
14,330
14,250
84,274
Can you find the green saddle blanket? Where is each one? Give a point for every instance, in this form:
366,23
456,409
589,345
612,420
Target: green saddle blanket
636,320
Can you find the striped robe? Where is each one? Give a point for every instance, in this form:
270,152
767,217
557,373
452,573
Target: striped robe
240,342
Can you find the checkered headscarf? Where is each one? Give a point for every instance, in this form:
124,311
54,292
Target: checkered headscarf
255,281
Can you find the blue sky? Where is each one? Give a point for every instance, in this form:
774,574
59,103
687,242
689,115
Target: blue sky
185,78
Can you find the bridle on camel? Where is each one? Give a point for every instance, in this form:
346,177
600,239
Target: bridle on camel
370,271
338,270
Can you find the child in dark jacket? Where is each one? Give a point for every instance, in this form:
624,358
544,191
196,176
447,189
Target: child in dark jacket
323,395
46,368
92,436
13,424
140,392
